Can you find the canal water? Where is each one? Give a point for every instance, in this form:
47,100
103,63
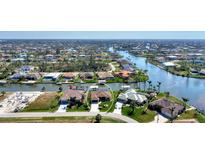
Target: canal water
193,89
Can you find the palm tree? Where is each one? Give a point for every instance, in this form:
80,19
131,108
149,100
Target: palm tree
98,118
167,94
43,89
150,83
172,113
132,106
60,89
159,85
3,93
185,100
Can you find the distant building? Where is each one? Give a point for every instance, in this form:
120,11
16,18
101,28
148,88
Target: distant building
169,64
51,76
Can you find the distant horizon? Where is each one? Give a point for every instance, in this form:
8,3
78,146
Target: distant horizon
102,35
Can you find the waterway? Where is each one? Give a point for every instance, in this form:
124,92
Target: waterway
191,88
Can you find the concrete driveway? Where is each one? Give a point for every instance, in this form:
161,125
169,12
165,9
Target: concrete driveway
94,107
118,108
62,108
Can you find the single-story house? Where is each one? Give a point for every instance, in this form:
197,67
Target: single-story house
97,96
17,76
69,75
49,57
86,75
26,68
51,76
33,76
72,96
128,67
132,95
202,72
169,64
105,75
167,108
123,74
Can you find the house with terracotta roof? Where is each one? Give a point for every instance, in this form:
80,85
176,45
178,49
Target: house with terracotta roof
124,74
72,96
97,96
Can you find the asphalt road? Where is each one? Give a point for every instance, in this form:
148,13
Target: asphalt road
59,114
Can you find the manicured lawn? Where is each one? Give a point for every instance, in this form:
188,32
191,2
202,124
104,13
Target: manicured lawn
59,120
104,106
47,102
192,114
109,106
138,114
76,108
115,80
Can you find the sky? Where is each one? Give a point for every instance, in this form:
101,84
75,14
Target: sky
102,34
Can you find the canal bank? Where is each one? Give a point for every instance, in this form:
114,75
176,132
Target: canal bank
191,88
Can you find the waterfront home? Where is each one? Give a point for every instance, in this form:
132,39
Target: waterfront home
128,67
51,76
69,75
202,72
33,76
105,75
169,64
160,59
171,57
98,96
123,74
86,75
17,76
167,108
132,95
72,97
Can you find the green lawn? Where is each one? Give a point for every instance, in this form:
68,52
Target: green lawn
192,114
76,108
59,120
115,80
139,115
47,102
109,106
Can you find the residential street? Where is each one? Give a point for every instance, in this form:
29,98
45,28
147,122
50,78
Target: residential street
60,114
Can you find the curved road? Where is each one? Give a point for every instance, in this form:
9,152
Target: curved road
66,114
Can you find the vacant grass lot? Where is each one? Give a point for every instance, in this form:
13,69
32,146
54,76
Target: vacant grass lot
47,102
139,115
59,120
